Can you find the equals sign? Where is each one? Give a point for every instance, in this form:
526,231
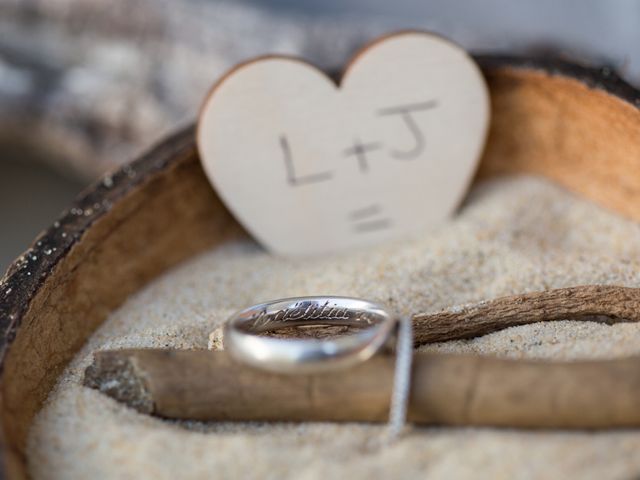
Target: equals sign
368,219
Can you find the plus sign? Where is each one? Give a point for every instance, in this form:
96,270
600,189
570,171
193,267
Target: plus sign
360,150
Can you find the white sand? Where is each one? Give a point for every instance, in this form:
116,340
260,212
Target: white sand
513,235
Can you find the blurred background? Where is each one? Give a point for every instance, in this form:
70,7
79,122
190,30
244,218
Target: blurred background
86,85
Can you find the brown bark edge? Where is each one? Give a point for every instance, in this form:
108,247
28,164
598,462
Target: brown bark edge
446,389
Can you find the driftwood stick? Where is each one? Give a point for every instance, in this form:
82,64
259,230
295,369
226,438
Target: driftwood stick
446,389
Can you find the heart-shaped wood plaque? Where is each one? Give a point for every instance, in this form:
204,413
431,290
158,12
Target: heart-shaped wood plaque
311,167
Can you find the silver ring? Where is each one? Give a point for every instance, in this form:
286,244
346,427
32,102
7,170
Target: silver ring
243,341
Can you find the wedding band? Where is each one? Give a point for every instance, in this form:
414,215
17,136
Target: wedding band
243,340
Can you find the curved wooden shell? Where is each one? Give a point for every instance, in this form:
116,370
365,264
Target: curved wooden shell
577,126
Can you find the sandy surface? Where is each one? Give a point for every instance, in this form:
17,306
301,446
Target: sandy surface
513,235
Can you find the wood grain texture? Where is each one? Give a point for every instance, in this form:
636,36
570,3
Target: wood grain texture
600,303
446,389
577,135
160,209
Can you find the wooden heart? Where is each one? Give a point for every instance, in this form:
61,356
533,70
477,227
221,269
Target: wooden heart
309,167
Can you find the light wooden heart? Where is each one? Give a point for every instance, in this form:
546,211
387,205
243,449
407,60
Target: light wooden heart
309,167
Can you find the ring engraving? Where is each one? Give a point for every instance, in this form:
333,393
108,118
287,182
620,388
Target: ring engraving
373,326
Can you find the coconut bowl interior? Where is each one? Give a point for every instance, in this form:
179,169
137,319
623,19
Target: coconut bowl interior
576,126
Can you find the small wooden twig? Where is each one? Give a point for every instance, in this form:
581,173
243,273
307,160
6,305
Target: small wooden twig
446,389
599,303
